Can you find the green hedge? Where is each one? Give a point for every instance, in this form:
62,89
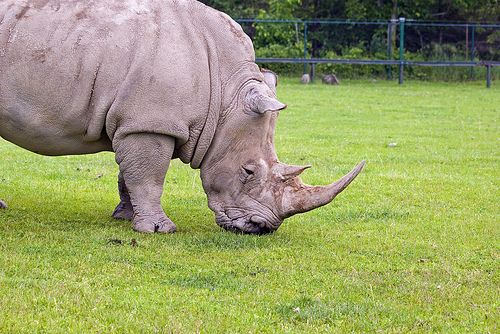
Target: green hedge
433,53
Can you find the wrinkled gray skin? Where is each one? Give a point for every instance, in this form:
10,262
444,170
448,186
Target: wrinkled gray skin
151,80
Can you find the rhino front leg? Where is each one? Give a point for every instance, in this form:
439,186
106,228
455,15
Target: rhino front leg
144,159
3,205
124,209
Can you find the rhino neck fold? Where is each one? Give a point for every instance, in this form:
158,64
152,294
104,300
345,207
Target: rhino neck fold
231,62
222,95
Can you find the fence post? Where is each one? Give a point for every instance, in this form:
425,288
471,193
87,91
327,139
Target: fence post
305,47
488,76
466,42
389,49
472,49
401,49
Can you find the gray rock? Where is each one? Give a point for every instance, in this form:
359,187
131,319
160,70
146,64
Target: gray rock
330,79
305,79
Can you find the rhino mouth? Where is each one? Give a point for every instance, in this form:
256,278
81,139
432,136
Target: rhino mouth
235,220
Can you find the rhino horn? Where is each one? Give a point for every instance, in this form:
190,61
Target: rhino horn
287,172
302,198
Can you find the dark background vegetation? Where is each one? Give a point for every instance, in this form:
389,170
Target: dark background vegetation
371,41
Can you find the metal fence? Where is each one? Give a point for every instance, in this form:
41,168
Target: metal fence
470,45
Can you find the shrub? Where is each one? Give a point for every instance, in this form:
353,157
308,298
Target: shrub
280,51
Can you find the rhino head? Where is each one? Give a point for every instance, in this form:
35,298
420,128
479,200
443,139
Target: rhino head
249,190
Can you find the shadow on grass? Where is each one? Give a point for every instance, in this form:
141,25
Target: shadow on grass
205,280
372,215
221,240
313,310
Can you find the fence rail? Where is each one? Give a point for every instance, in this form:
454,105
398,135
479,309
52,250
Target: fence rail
392,26
377,22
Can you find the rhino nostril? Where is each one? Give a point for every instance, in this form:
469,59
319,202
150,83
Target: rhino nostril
258,220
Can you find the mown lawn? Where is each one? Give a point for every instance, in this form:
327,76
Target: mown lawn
411,245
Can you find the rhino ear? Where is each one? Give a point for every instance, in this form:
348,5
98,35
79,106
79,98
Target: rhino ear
270,78
260,103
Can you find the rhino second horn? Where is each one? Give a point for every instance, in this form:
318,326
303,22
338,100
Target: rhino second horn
304,198
287,172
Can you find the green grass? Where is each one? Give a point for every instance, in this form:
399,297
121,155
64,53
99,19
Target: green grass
411,245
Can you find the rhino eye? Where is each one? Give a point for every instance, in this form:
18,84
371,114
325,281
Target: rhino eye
247,173
248,170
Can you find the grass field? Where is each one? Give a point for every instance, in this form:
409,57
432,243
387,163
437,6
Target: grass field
411,245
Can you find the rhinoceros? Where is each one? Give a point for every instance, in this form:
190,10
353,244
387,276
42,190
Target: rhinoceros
151,81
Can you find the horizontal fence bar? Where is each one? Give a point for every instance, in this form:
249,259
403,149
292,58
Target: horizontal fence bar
378,62
327,61
460,25
310,21
267,21
384,22
452,63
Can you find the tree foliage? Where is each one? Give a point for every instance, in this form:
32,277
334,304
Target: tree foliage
449,10
368,41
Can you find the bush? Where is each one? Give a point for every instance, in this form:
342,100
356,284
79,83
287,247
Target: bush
280,51
350,71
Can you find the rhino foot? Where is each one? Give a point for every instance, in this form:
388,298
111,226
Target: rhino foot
123,212
3,205
152,224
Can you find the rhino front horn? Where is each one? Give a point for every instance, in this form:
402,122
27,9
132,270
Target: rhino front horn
304,198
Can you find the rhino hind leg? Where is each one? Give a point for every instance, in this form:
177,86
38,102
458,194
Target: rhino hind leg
124,209
3,205
144,159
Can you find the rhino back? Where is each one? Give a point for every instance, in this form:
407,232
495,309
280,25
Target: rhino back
49,58
78,74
